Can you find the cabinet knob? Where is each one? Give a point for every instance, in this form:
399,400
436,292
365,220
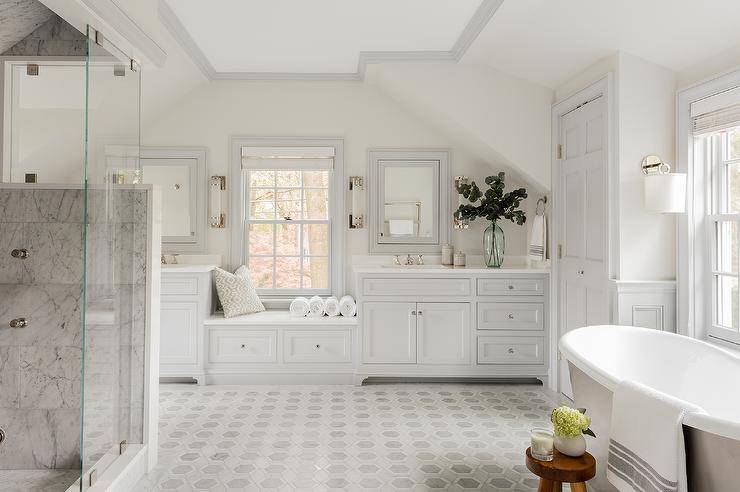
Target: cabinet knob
510,315
580,272
18,323
511,350
420,313
20,253
511,287
244,345
413,313
318,346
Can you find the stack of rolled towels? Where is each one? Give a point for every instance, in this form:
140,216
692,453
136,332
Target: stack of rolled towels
316,307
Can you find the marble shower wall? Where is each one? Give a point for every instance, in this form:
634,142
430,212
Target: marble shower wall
41,365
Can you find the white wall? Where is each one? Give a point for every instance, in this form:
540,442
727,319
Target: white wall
645,103
359,113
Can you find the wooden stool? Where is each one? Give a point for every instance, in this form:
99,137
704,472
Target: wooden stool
562,469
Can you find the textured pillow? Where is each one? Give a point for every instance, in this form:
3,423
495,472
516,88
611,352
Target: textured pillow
236,292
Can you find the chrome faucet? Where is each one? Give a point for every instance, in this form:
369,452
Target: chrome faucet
410,260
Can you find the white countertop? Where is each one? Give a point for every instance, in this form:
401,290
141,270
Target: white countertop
186,268
447,270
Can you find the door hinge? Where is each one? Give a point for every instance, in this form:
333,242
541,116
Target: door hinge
560,251
559,152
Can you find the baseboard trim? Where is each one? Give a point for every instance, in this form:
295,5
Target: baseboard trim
464,380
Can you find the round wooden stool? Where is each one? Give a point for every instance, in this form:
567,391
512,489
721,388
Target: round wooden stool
562,469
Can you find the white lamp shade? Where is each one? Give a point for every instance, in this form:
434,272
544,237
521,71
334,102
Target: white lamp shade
665,193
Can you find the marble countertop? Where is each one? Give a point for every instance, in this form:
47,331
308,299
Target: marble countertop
448,270
187,268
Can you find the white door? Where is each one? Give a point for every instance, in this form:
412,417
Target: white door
583,268
178,333
389,332
443,332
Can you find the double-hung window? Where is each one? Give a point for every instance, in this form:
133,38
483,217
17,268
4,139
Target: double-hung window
721,150
288,225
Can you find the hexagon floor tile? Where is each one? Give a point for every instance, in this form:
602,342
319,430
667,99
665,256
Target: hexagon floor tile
378,437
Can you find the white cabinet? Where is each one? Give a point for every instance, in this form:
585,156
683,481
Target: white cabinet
185,303
179,332
317,346
443,332
389,334
237,345
510,350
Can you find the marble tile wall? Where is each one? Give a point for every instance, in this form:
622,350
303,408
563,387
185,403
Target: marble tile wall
41,365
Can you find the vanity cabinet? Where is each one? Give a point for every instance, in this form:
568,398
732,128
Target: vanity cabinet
185,304
439,322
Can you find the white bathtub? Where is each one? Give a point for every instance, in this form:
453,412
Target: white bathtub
600,357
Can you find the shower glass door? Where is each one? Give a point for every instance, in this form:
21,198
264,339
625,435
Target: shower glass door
114,284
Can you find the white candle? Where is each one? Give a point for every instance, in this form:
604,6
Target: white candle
542,443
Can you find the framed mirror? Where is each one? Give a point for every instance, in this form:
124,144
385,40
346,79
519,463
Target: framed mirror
409,200
182,175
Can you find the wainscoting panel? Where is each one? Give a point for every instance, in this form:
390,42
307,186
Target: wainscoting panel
647,304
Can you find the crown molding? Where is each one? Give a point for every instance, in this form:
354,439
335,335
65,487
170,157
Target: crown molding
472,30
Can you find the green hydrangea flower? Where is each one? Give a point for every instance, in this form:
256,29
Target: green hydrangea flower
569,422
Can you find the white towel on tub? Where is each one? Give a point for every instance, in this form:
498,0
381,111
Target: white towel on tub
299,307
347,306
646,445
315,306
331,306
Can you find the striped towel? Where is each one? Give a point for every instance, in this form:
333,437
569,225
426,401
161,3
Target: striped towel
646,446
538,242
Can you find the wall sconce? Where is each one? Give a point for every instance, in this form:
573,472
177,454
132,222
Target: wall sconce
216,214
665,192
356,200
460,223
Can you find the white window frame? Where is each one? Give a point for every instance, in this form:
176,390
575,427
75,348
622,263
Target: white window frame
695,302
239,210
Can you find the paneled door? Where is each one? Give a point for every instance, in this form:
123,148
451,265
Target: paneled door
443,332
389,332
583,242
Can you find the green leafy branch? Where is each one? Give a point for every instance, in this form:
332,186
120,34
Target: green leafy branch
494,203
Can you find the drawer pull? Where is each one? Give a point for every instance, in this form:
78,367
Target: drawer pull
20,253
511,350
510,315
511,287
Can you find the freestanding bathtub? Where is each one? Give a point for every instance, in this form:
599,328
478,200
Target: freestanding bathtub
599,357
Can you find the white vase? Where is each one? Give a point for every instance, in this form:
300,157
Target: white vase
571,446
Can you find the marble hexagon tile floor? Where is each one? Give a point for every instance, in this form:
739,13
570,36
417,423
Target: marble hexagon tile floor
377,437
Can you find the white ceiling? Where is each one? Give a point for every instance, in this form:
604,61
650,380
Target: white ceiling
548,41
316,36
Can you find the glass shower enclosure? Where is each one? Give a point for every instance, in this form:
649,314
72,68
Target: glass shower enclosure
73,230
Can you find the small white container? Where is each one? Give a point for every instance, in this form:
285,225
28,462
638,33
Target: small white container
459,259
447,254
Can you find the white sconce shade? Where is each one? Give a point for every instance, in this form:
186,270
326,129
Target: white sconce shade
665,193
216,215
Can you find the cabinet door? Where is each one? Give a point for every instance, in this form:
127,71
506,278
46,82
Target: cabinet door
443,332
179,333
389,332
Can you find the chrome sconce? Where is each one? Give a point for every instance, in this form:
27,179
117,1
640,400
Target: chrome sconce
356,200
665,192
460,223
216,214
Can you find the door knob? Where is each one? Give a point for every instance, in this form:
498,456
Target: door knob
20,253
18,323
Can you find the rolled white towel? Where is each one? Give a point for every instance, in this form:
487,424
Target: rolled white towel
315,306
299,307
331,306
347,306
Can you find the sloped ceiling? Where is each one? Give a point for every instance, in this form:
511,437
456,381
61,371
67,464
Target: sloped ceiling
18,19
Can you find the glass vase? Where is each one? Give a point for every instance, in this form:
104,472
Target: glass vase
493,246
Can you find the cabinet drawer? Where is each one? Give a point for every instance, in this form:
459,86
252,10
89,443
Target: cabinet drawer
179,285
226,345
416,287
317,346
511,350
511,287
510,316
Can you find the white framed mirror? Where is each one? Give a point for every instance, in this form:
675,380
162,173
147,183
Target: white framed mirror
182,175
409,200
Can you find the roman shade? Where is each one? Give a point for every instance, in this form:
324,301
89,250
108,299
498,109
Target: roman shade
292,158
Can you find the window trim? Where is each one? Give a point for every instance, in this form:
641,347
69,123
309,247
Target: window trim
238,208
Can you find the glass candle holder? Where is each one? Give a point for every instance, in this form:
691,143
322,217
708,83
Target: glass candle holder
542,444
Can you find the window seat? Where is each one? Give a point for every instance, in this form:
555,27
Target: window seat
278,317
